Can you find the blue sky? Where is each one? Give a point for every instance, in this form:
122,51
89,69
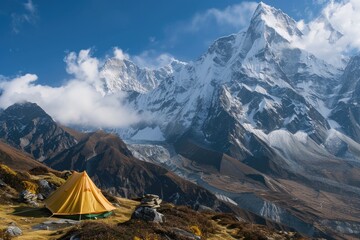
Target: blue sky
36,35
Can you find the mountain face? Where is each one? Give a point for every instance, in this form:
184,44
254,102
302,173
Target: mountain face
253,84
27,127
126,76
256,98
346,107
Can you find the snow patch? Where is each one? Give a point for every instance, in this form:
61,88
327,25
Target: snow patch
24,142
301,136
149,134
225,199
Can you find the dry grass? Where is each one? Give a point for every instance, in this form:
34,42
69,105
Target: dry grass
51,178
119,226
26,217
208,225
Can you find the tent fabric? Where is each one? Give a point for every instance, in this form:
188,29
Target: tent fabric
78,195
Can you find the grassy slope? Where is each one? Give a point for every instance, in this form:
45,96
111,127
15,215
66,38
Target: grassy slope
210,225
26,217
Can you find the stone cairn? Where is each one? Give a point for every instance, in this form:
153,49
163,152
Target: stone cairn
147,209
151,201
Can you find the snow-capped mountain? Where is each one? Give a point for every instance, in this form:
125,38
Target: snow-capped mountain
253,82
124,75
253,98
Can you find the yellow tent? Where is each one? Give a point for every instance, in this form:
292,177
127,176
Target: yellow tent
79,197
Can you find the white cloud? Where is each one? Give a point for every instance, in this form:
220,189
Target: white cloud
29,16
84,67
119,54
335,34
236,16
78,101
152,59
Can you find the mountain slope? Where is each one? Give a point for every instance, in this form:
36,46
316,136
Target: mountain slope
16,159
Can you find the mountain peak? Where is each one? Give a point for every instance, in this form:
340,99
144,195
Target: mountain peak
264,9
266,16
264,6
25,108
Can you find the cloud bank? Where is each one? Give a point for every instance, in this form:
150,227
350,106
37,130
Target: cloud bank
80,101
335,34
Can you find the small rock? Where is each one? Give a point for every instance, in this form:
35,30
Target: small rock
186,234
202,208
151,196
40,196
33,204
42,227
28,197
62,221
116,205
150,200
75,237
13,231
2,184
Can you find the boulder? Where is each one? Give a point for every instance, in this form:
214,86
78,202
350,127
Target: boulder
33,203
45,187
13,231
148,214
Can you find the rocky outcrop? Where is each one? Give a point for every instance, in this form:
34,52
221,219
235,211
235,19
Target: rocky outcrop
147,209
28,127
28,197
